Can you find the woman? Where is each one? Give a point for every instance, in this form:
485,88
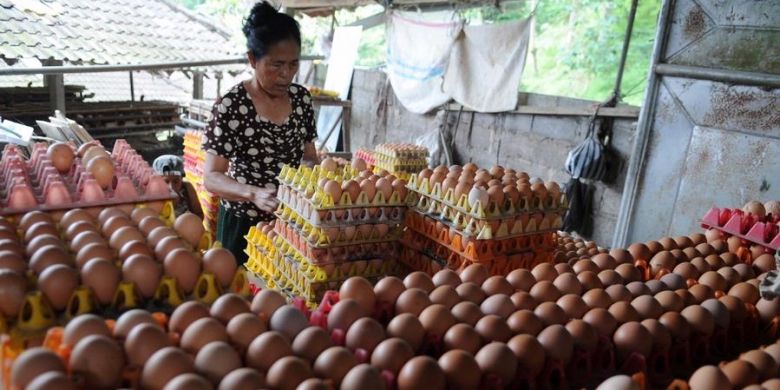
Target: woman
257,127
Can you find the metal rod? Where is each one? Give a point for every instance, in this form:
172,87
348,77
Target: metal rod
643,131
723,75
122,68
132,88
624,52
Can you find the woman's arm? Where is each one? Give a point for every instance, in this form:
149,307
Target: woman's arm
310,153
218,183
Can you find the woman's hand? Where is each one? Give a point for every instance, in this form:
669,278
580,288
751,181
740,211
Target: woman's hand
265,199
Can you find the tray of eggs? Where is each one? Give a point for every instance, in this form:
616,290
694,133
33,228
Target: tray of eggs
330,187
402,151
469,192
62,268
57,177
365,155
756,223
283,267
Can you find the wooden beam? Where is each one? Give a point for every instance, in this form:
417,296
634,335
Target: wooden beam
615,112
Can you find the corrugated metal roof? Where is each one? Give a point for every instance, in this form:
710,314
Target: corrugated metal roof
108,32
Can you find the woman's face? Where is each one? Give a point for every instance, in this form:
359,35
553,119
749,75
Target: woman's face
275,71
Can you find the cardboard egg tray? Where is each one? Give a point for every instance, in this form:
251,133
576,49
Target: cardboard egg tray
340,252
298,188
37,173
735,222
336,235
342,217
412,151
282,267
433,200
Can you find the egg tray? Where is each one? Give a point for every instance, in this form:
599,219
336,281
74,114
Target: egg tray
338,235
748,227
319,200
365,155
336,254
468,246
36,173
415,151
343,217
487,230
445,202
501,264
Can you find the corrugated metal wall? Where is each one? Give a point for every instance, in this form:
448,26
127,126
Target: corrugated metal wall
703,142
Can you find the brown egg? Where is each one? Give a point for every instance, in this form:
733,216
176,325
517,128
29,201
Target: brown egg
462,336
768,309
669,301
41,241
709,377
460,369
523,300
467,312
107,213
222,264
188,381
639,251
33,217
497,285
572,305
57,283
79,227
624,312
85,238
266,302
163,366
189,227
521,279
471,292
139,213
102,168
366,334
544,271
597,298
436,319
144,273
123,235
740,373
115,223
186,314
202,332
334,363
215,360
764,263
419,280
407,327
421,372
184,267
143,341
493,328
83,326
445,295
584,335
49,255
243,328
601,320
344,313
550,313
391,354
446,277
647,307
619,292
158,234
499,305
310,342
361,291
52,380
714,280
529,352
568,283
700,319
33,363
746,292
388,289
228,306
545,291
701,293
719,312
475,273
589,281
266,349
363,376
150,223
632,337
766,366
557,342
129,320
135,248
497,359
413,301
243,379
12,261
102,277
99,361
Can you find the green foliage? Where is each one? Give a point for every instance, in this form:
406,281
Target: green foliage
575,45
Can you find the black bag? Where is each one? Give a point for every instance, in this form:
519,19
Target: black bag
589,159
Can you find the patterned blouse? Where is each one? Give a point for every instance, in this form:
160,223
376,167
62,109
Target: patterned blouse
256,147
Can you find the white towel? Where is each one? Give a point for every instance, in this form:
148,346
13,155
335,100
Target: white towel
486,64
417,55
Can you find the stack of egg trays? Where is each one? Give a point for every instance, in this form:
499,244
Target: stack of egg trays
735,222
402,168
194,161
130,168
282,267
489,221
366,156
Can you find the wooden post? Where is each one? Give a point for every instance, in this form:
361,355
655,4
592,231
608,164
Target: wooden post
56,85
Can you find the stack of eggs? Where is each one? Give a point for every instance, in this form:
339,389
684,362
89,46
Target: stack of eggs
194,160
112,262
56,177
571,248
465,215
400,159
365,155
333,222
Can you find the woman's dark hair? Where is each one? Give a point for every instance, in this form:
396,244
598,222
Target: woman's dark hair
266,26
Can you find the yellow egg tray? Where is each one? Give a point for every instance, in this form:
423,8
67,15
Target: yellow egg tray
433,200
297,186
415,152
282,267
341,217
291,224
482,230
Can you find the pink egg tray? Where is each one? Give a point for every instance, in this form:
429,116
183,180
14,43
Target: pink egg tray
34,183
745,226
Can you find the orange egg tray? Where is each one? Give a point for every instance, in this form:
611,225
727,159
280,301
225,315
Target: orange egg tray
134,181
735,222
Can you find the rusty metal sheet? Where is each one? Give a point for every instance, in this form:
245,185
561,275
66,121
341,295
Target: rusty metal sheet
752,13
689,23
731,107
726,169
736,49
